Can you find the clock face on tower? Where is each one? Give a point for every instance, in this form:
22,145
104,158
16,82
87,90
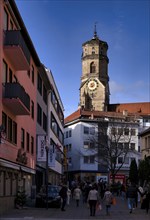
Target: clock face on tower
92,84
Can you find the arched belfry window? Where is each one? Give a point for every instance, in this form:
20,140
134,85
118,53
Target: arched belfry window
92,68
93,50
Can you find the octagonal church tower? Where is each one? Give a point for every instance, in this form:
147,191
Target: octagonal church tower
94,88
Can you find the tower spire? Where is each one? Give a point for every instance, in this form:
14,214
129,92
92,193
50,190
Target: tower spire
95,32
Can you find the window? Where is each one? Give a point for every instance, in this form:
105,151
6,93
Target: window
32,145
120,146
92,130
101,50
132,146
11,25
4,121
89,159
39,114
120,131
5,68
145,139
93,50
86,130
86,159
126,146
70,133
9,129
27,142
66,134
32,109
69,160
5,24
54,100
132,158
10,75
126,160
86,144
44,122
92,68
22,137
54,125
113,131
61,136
33,74
92,145
28,73
120,160
14,133
126,131
92,159
39,84
148,142
69,147
133,132
44,94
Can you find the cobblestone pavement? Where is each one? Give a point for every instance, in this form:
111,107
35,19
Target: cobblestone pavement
118,212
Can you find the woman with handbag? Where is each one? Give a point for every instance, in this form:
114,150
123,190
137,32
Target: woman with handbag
108,197
92,200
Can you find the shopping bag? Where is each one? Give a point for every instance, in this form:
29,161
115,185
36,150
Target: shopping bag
98,207
113,201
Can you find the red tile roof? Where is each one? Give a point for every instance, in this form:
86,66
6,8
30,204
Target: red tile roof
114,110
141,107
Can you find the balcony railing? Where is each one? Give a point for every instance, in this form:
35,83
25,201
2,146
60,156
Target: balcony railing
15,97
16,48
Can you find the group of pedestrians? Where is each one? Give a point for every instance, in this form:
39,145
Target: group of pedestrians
94,198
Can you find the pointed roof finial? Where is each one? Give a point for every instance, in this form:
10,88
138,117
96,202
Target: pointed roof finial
95,32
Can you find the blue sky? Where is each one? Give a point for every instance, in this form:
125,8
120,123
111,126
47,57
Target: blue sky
59,28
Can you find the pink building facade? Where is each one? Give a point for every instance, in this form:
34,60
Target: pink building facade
18,112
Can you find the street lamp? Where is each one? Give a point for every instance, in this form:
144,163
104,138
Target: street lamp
47,150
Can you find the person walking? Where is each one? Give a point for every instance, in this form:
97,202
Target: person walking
63,194
68,196
131,195
146,199
108,200
92,200
123,191
77,195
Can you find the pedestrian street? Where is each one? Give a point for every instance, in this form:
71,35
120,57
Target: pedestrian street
118,212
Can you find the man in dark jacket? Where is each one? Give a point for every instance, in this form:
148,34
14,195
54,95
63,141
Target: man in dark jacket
131,196
63,194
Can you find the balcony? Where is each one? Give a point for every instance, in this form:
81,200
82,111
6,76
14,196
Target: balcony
16,99
16,50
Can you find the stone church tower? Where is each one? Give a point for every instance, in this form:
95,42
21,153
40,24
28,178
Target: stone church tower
94,88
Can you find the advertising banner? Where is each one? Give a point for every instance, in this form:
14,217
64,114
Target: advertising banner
41,152
51,156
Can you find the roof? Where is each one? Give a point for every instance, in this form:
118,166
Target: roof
141,107
147,131
115,110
